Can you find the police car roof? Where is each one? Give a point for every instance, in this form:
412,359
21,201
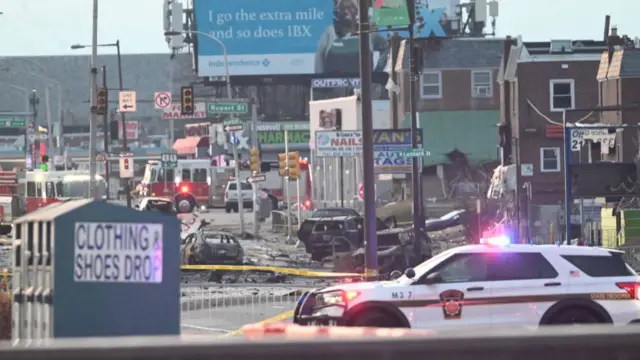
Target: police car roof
552,249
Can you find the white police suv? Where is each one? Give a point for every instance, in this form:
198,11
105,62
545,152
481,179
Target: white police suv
488,285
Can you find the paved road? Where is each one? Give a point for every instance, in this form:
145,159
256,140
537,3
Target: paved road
227,319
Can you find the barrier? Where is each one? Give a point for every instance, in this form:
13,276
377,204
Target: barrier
274,269
280,222
552,343
222,309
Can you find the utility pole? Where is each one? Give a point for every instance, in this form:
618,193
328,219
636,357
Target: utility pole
33,101
416,173
93,119
371,242
123,118
105,131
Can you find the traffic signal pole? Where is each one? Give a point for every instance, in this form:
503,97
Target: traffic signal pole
286,184
254,144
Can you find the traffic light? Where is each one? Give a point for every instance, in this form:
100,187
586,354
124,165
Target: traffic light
294,165
186,100
102,105
282,164
254,159
126,164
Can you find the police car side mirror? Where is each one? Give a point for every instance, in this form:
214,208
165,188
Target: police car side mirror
410,273
433,278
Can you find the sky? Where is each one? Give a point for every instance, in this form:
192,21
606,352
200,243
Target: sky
50,27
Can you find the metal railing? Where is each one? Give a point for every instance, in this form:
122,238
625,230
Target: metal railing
584,342
223,308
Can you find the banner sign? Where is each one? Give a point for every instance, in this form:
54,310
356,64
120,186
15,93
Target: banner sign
173,112
606,139
334,83
293,37
388,146
338,143
277,137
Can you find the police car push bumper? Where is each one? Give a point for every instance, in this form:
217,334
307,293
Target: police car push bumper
324,307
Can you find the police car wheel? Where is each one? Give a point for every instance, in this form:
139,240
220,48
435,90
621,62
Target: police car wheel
374,318
574,316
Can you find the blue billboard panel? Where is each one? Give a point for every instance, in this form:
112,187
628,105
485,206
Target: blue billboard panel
283,37
387,148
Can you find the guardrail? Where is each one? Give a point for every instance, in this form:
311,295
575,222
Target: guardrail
584,342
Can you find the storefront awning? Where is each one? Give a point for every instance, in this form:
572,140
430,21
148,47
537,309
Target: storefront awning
189,145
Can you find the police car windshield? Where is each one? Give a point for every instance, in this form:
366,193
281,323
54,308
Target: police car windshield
425,266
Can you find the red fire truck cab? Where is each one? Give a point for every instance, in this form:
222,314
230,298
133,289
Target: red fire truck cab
48,187
193,183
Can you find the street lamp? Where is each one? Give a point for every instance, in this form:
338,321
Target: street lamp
120,85
224,52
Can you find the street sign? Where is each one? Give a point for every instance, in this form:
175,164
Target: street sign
162,100
13,121
233,127
414,153
361,191
257,178
227,108
169,160
126,165
127,101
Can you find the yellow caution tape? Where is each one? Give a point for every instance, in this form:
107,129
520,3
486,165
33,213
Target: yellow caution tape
284,270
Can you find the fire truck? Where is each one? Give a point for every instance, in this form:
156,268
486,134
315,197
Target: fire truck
192,183
9,196
48,187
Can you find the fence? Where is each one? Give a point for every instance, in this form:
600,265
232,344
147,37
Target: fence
223,308
553,343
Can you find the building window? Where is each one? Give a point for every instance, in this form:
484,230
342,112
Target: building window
549,159
481,84
562,94
431,85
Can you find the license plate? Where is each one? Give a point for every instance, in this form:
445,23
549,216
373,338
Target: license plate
324,323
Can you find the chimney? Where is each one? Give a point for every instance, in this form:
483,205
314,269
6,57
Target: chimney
519,40
614,30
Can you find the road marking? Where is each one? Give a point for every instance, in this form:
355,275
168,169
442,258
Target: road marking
204,328
284,316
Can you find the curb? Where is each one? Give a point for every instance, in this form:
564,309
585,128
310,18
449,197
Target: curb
228,301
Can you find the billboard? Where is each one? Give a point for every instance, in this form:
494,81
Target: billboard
387,148
338,143
296,37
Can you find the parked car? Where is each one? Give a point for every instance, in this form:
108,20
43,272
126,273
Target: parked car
211,247
454,218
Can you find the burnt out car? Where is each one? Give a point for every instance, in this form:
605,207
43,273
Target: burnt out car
307,226
210,247
397,250
333,235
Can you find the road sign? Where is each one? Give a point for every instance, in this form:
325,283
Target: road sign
13,121
257,178
233,127
127,101
162,100
227,108
414,153
126,165
361,191
169,160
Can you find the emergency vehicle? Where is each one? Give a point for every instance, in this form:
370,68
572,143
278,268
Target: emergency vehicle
192,183
47,187
9,196
484,285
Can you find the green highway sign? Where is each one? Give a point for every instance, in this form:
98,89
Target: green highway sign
414,153
13,121
169,160
227,108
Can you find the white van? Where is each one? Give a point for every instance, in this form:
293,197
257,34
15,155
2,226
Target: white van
231,196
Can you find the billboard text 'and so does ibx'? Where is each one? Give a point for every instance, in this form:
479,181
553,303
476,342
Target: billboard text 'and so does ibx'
302,37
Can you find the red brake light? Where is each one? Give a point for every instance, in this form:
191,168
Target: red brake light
630,287
184,189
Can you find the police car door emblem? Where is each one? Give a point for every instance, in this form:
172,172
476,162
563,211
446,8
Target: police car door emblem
451,301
